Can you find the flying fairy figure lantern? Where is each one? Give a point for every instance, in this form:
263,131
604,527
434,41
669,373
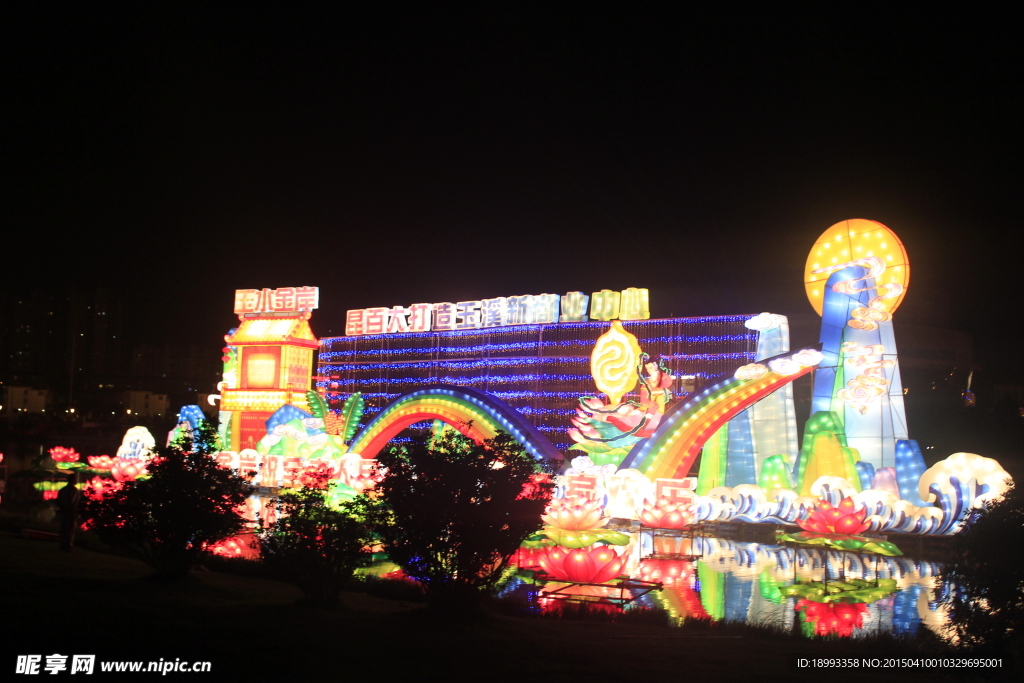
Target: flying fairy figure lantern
606,431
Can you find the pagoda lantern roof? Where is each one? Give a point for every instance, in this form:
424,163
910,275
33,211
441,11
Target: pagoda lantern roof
262,331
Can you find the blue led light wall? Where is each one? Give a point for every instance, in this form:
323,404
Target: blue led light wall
540,370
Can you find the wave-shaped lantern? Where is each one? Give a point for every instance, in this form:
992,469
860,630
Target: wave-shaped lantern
666,514
845,518
596,564
575,513
833,618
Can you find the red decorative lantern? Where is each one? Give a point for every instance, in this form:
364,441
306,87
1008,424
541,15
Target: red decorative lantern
596,564
61,454
98,487
845,518
527,558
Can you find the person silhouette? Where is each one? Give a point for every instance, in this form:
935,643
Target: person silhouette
67,510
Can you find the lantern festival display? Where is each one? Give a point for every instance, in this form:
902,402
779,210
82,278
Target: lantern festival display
666,423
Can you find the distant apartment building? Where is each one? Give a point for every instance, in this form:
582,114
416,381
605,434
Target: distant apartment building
145,403
24,400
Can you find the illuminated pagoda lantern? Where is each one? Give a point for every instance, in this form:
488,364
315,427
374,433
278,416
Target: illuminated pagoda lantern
269,361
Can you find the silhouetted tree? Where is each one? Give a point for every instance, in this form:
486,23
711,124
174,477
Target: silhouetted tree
451,512
985,581
314,545
186,504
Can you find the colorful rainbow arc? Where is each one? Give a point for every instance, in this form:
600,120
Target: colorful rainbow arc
476,414
670,451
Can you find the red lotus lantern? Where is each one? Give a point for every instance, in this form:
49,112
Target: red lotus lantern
666,514
101,462
126,469
574,514
833,618
61,454
596,564
845,518
50,495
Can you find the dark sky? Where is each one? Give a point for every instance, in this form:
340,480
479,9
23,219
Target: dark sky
391,157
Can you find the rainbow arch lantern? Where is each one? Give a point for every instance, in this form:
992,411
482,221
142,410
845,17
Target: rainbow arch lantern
474,413
671,450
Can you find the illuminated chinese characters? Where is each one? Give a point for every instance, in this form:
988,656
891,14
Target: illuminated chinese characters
529,309
266,303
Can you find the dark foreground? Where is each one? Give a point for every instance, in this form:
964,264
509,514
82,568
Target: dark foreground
88,602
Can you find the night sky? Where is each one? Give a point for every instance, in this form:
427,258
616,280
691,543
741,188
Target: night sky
453,153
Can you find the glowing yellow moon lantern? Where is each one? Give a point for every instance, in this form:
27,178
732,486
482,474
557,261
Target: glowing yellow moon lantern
853,239
613,362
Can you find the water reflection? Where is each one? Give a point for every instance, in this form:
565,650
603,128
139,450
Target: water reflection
817,590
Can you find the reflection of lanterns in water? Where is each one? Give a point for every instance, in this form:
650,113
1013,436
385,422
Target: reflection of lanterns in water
833,618
613,362
666,572
585,598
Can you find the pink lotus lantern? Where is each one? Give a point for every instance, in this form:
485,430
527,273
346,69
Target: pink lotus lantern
574,514
61,454
845,518
596,564
101,462
666,514
127,469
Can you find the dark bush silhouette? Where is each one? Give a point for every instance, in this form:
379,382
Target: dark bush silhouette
451,512
188,503
313,545
985,582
